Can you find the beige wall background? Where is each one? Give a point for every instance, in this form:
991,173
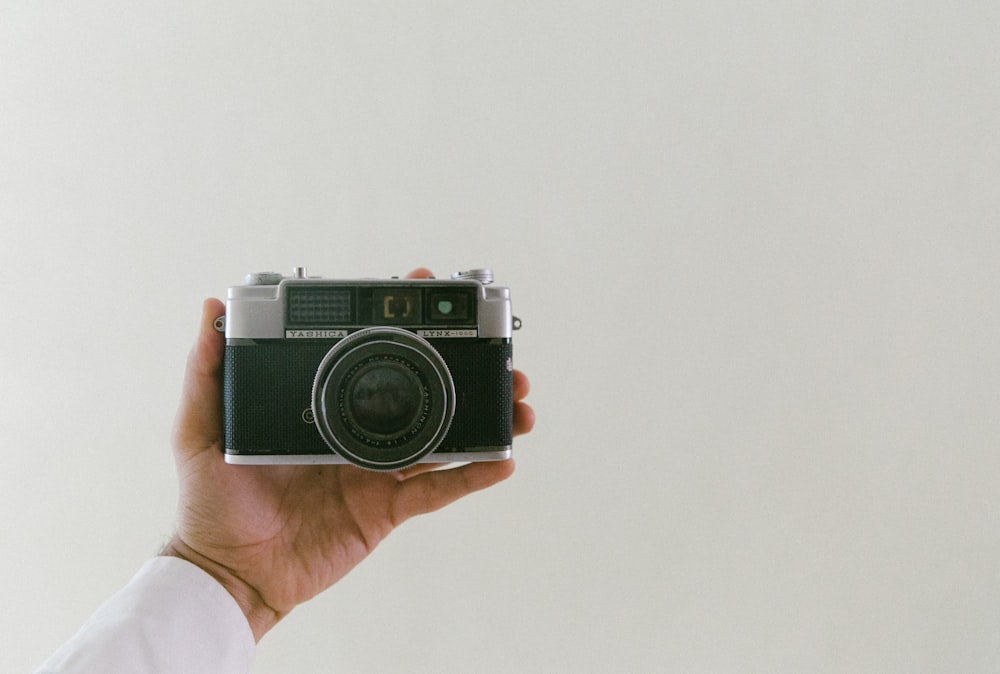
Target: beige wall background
754,247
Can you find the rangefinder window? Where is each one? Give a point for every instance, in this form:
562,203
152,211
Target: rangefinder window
396,306
319,306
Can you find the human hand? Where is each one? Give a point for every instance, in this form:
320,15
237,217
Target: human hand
276,536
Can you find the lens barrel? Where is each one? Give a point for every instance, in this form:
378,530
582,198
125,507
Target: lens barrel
383,398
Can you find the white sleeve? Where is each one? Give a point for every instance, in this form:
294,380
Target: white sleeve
171,617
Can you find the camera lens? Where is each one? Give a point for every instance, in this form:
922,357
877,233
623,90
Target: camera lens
383,398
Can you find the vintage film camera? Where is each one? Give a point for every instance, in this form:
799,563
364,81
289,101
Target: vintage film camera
378,373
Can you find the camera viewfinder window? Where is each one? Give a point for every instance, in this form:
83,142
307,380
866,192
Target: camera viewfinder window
449,307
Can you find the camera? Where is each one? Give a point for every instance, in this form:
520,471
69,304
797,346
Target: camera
379,373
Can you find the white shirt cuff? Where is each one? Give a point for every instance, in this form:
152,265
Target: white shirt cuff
171,617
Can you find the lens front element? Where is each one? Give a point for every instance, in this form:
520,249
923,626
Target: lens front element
383,398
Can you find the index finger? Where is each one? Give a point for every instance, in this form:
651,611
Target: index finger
199,417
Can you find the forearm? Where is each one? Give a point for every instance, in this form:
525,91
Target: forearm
260,617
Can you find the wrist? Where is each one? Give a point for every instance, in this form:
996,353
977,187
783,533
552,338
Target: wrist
259,615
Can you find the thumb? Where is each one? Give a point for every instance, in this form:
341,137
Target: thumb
199,417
